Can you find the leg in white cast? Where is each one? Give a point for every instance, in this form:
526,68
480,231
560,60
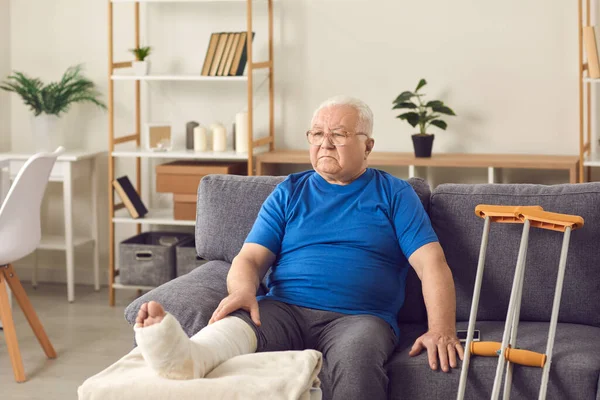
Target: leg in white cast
168,350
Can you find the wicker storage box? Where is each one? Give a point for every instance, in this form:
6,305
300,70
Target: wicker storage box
186,256
148,259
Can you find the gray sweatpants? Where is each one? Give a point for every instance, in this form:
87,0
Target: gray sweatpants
355,347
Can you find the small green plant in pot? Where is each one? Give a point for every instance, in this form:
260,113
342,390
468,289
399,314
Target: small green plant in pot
49,101
424,114
141,65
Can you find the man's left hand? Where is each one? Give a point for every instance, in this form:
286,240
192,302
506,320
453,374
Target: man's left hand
439,344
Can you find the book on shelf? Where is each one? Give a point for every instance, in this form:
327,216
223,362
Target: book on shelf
241,55
229,61
226,54
210,53
591,49
130,197
218,53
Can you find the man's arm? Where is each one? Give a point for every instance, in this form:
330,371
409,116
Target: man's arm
256,256
247,271
440,341
249,267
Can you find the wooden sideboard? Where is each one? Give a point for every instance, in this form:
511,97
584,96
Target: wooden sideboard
266,162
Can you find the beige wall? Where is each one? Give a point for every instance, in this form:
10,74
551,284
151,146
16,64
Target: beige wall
508,69
4,71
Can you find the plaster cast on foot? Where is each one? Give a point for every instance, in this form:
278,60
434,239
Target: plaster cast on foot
168,350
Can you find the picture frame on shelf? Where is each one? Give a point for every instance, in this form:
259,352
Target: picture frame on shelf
158,136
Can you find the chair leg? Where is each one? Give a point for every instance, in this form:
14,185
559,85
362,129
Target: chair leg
10,335
25,304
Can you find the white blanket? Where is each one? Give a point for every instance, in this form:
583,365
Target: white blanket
269,375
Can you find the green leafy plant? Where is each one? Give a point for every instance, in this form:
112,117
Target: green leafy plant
422,114
55,97
141,53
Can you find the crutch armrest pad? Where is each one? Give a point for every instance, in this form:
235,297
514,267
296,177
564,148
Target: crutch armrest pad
552,221
506,214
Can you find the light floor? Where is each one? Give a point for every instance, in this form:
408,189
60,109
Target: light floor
88,335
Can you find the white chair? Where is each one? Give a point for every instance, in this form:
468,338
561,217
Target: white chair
20,234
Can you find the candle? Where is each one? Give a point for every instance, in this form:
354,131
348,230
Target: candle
199,138
189,136
219,138
241,132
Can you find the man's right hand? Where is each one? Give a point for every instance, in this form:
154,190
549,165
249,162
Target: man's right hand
247,270
244,299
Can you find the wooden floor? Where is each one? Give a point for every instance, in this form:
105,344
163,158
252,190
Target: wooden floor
88,336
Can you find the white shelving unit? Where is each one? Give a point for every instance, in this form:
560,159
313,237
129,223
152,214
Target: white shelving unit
592,159
154,217
256,73
183,154
118,285
178,1
588,138
180,78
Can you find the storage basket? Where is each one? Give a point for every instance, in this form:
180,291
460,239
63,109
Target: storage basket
148,259
187,259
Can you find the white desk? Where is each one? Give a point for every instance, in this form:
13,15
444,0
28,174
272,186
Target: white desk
69,166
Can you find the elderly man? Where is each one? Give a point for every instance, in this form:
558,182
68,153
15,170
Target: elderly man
340,240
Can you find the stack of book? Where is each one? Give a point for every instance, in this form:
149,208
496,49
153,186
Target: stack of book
226,54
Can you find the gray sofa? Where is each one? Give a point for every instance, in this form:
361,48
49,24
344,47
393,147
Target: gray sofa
227,207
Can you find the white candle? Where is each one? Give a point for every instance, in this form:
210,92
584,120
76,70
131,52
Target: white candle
199,138
241,132
219,138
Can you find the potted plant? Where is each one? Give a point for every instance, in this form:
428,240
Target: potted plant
140,65
49,101
422,114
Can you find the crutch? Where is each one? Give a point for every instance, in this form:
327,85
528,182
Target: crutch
543,220
507,352
490,213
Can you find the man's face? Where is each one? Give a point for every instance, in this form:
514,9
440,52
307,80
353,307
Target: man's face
339,164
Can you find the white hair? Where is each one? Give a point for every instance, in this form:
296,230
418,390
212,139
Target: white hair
365,115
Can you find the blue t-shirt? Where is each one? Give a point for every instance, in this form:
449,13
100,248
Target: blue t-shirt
342,248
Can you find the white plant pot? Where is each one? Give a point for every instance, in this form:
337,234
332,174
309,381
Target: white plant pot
140,68
46,134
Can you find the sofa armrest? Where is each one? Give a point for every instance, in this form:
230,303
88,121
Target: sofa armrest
191,298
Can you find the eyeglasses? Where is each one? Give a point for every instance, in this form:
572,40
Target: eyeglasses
337,138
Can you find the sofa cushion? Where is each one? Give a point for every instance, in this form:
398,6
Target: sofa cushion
573,374
226,210
459,230
191,298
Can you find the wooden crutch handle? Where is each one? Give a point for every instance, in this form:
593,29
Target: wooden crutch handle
506,214
551,221
486,349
